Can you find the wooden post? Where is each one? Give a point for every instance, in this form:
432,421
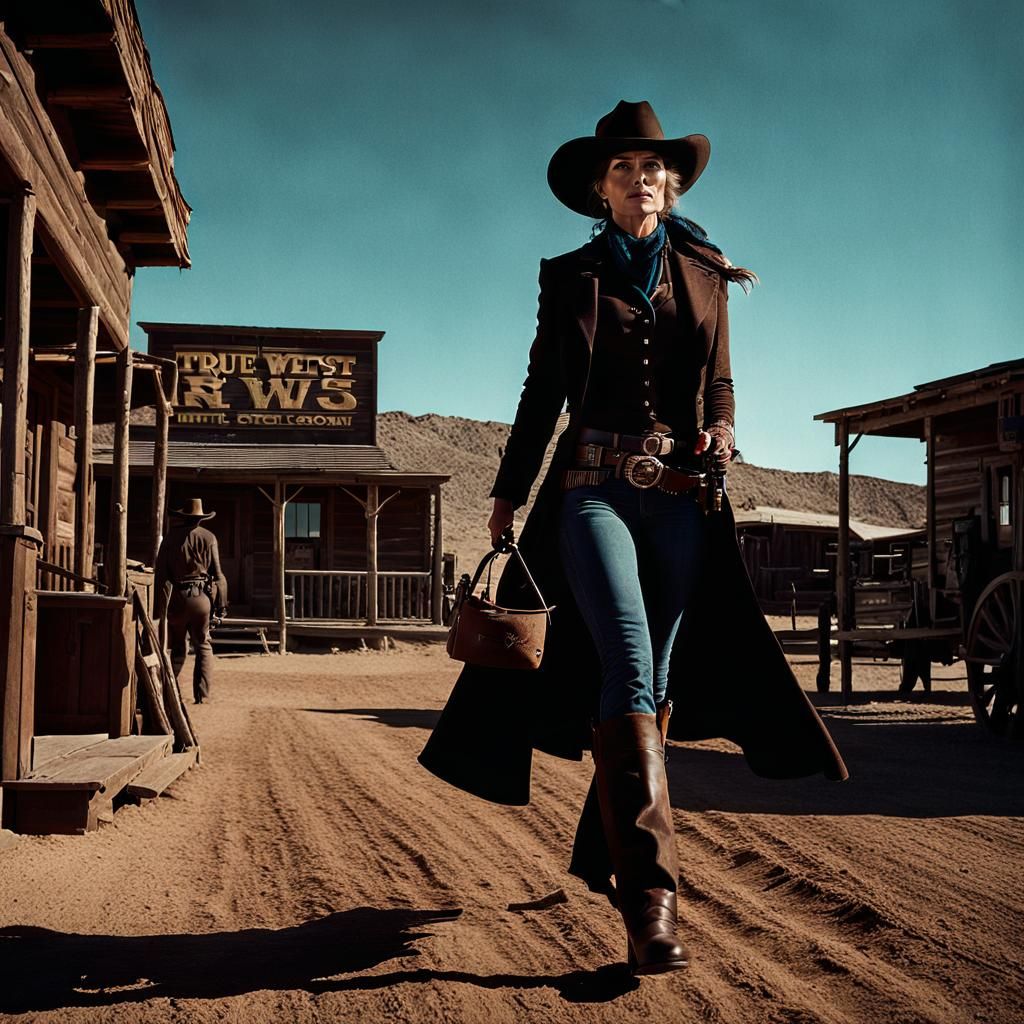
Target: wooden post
163,414
85,379
279,546
1017,511
436,581
930,524
843,561
22,215
116,555
371,554
19,543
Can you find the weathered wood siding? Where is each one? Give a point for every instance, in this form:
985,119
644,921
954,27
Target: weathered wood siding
244,527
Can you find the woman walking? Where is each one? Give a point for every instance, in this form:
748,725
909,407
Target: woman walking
654,608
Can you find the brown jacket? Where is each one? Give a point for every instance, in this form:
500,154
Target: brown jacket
187,553
728,675
560,356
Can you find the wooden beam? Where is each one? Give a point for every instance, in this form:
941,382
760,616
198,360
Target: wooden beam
145,238
69,41
279,589
159,507
132,204
89,96
163,261
1017,511
436,579
930,524
843,588
371,554
74,235
21,221
85,376
19,547
113,163
116,555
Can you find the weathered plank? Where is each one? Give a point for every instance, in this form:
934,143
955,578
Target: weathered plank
166,380
48,748
85,387
152,688
107,766
75,235
151,782
21,223
116,554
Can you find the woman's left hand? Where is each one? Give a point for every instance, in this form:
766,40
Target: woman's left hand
717,441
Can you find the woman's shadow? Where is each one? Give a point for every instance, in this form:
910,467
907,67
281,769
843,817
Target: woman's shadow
46,970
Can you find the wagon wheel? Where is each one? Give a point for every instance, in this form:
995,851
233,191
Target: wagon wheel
994,656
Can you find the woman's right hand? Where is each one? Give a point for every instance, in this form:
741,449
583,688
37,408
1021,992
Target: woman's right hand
501,519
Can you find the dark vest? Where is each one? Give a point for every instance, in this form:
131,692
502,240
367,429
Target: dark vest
644,370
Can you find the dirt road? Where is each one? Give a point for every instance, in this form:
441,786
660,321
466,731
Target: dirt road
311,871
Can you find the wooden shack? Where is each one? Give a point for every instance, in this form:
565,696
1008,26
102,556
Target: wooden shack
276,429
87,195
971,579
790,554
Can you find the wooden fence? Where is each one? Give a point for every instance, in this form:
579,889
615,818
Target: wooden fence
342,594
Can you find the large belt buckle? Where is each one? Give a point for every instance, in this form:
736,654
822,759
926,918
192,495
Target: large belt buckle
656,444
592,455
643,471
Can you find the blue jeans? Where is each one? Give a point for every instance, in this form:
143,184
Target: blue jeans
631,557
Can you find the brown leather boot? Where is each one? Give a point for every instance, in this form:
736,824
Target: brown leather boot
633,794
590,858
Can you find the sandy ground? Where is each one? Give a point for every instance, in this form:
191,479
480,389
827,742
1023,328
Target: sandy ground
311,871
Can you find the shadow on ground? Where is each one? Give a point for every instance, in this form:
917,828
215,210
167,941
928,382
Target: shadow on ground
929,766
397,718
47,970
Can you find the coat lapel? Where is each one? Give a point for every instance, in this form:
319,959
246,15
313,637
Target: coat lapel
586,306
700,285
585,299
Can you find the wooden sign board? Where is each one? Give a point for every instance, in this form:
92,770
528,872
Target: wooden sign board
281,385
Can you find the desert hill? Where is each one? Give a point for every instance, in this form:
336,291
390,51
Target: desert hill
468,450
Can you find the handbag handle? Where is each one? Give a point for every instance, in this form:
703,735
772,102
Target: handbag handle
513,548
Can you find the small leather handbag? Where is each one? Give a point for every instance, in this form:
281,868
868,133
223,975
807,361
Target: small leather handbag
486,634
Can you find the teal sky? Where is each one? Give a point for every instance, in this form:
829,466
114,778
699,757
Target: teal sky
382,166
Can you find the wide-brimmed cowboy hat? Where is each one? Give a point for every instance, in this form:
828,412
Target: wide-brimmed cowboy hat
630,126
193,510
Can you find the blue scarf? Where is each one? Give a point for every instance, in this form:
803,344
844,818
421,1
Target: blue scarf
637,259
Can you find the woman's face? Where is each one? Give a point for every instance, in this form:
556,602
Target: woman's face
634,184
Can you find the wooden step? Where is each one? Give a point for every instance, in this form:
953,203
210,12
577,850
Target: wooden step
152,781
70,794
47,748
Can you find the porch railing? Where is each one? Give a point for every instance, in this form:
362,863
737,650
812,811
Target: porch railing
342,594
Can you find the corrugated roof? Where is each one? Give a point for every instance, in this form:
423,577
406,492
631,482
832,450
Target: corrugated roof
796,517
299,458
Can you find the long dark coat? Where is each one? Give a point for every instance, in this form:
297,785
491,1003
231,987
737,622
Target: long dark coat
728,675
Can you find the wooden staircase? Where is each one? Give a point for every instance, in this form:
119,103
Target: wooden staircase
75,779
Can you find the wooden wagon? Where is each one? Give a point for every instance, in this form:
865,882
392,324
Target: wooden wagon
962,594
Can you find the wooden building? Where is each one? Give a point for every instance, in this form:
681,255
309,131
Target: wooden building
87,196
972,576
790,554
275,429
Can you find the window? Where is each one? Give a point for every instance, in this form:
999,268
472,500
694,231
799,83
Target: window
302,519
1003,508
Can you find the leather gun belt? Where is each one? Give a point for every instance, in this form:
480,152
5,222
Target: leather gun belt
595,464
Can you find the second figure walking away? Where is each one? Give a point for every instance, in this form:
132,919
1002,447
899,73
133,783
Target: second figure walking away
190,588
